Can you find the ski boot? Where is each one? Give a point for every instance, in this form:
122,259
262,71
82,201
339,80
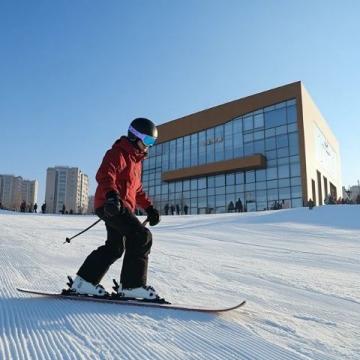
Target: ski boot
79,286
142,293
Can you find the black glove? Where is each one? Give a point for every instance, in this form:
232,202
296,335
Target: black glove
113,204
153,215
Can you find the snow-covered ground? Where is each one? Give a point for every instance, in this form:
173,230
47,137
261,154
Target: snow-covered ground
299,271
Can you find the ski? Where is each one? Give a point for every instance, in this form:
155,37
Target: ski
112,300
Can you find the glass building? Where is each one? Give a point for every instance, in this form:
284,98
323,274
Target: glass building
248,155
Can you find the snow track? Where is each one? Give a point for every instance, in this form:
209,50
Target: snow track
299,279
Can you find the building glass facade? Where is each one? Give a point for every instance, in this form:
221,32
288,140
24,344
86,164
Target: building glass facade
271,131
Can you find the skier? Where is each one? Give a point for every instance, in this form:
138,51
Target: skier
118,193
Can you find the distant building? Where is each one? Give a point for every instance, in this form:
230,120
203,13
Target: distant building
14,190
91,209
66,186
354,191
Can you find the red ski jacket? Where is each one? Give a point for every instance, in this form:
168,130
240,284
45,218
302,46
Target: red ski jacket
120,171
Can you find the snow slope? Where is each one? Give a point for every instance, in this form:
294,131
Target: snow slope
298,270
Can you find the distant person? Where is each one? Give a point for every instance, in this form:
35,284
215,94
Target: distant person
239,206
43,208
186,209
35,208
172,209
177,209
63,210
23,206
231,207
311,204
166,209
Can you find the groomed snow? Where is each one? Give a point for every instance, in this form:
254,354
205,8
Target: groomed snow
299,271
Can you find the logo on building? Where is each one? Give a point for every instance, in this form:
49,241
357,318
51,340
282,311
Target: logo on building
215,140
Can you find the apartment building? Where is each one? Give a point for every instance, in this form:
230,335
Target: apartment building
14,190
91,208
66,186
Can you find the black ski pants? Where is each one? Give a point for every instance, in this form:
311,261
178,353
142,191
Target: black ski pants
124,233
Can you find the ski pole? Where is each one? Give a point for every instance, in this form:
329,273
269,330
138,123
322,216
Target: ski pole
67,240
81,232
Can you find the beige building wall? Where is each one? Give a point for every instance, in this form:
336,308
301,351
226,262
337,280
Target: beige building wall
71,199
91,208
6,191
84,193
14,190
50,190
66,186
29,191
322,152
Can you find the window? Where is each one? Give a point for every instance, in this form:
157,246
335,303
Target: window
249,149
194,184
194,149
269,133
273,195
186,161
281,130
250,176
179,153
261,195
230,179
172,155
270,143
202,183
248,137
283,152
259,121
259,147
210,155
295,169
259,135
260,175
186,185
219,143
296,191
292,127
220,180
237,125
261,185
295,181
164,158
211,181
284,182
291,114
238,143
248,123
228,141
202,147
178,186
284,171
275,118
250,187
271,173
294,143
282,141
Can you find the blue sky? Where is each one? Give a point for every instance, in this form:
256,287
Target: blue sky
74,73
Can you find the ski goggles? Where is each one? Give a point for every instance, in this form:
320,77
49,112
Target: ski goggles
146,139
